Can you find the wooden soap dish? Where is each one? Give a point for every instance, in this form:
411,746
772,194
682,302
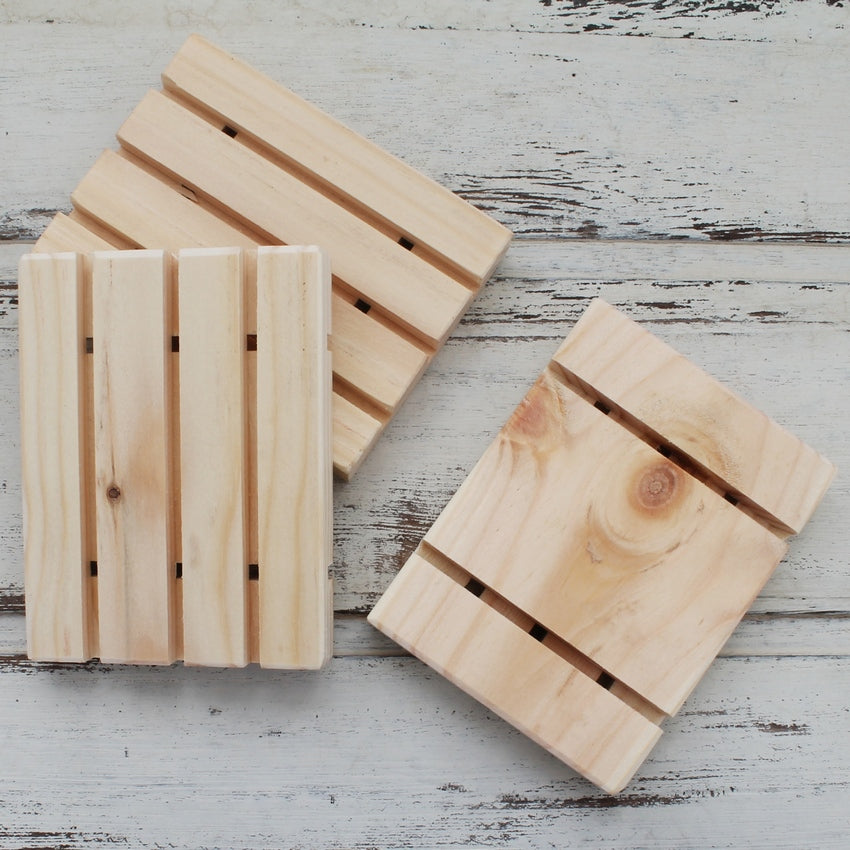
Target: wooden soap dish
226,156
175,440
605,546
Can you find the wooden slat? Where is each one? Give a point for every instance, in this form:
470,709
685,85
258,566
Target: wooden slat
213,457
147,211
366,176
374,360
606,543
418,296
65,234
514,675
354,433
293,457
132,499
52,376
696,414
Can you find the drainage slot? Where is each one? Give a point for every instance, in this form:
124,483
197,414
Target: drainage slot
606,680
362,306
538,632
253,572
93,569
475,587
229,131
405,243
178,570
252,342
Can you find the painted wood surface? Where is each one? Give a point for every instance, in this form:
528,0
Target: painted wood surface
553,133
734,132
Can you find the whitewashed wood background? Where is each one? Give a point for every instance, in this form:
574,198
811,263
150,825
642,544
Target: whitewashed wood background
688,161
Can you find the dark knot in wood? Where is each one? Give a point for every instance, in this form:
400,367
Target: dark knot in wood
657,486
113,493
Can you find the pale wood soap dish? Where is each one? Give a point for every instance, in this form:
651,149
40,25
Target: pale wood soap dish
605,546
176,456
225,156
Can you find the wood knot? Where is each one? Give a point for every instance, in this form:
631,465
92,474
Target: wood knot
113,493
657,486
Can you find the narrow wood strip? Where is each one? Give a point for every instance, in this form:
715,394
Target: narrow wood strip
293,456
514,675
65,234
354,433
213,457
52,378
365,176
696,415
135,553
422,299
148,211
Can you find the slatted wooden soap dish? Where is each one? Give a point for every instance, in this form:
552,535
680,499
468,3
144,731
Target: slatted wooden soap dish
176,456
605,546
225,156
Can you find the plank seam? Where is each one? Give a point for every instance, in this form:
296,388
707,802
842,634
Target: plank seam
688,464
553,642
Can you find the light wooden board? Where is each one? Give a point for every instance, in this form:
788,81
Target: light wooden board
54,437
293,458
181,505
213,424
230,156
131,333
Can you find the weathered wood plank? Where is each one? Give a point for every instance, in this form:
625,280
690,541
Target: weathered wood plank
595,136
719,776
763,20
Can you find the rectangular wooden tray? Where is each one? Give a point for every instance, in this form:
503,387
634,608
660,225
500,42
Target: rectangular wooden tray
175,440
224,156
605,546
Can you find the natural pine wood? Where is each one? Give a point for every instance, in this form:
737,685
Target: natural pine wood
751,454
184,476
213,457
227,157
578,528
514,675
131,345
53,434
294,485
369,179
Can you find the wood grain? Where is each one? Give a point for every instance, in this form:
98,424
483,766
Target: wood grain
53,438
750,455
294,457
213,424
350,167
132,339
543,695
